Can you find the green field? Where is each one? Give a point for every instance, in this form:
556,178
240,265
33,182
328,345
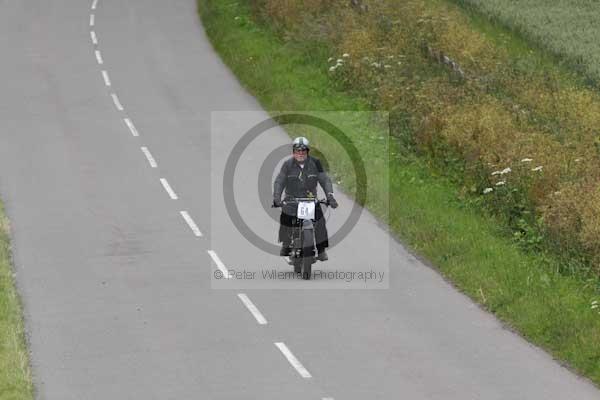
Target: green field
15,376
568,28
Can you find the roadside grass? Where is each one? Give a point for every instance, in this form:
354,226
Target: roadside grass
427,211
15,375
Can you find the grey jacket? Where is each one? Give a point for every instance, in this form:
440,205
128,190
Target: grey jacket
301,182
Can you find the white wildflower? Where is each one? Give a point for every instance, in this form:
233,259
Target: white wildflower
330,59
376,64
331,69
501,183
577,159
496,172
487,190
538,168
345,55
387,66
505,171
339,61
595,304
527,160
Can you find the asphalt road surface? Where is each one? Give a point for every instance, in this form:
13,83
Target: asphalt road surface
111,164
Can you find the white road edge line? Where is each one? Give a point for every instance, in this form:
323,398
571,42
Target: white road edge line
92,19
219,263
94,4
131,127
93,36
106,78
168,188
116,101
253,309
293,360
191,223
148,155
99,57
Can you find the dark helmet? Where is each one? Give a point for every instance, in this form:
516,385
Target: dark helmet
301,143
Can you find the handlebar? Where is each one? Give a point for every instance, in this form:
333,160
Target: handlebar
299,199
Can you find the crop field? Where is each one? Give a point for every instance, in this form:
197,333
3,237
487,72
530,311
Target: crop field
569,28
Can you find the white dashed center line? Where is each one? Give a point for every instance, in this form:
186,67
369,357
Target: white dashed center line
253,309
151,159
191,223
106,78
116,101
188,219
293,360
168,188
131,127
219,263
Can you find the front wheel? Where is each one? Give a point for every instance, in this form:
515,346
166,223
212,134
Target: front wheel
297,265
307,267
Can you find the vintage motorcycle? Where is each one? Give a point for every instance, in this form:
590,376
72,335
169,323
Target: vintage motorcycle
303,251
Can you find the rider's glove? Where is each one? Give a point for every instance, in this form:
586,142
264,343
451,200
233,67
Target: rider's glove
332,201
277,202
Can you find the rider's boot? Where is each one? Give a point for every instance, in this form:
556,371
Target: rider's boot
285,250
322,255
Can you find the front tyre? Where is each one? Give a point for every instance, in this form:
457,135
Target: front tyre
307,267
297,265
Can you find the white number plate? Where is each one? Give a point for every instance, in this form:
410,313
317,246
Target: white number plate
306,210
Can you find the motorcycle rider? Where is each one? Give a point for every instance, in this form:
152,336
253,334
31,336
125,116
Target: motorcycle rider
299,176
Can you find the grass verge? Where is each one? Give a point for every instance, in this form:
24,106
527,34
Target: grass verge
15,375
524,289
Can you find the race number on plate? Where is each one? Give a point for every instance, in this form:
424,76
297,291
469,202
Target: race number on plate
306,210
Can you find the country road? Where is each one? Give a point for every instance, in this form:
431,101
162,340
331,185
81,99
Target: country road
116,122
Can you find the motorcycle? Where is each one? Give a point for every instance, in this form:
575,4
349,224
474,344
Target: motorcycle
302,254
